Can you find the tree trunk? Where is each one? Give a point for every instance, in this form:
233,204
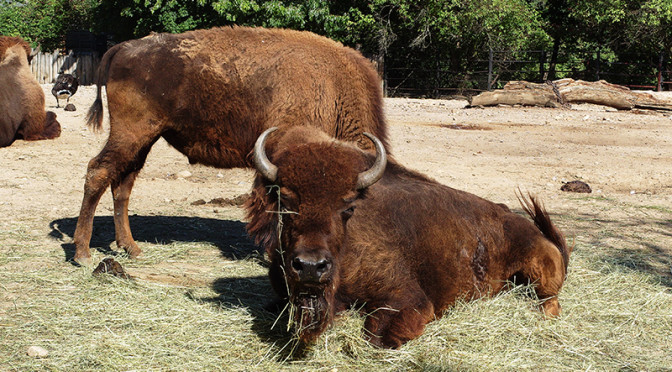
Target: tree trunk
565,91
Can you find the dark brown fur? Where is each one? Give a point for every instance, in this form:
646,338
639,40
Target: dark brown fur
111,266
410,249
210,93
22,114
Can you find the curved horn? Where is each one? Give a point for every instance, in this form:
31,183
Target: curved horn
372,175
261,162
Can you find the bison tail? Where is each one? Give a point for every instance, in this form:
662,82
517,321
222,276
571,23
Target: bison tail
94,118
533,207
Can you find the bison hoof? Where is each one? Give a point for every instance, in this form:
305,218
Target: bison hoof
84,261
133,252
551,308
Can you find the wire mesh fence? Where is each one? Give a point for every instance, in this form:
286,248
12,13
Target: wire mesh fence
493,69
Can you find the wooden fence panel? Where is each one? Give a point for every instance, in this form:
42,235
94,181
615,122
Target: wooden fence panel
47,66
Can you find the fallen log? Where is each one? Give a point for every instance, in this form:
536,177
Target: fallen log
563,92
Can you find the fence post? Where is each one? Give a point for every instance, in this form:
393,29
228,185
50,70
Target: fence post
437,79
385,85
542,61
660,72
490,57
597,64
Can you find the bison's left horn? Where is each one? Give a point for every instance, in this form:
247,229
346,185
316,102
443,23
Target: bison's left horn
372,175
261,162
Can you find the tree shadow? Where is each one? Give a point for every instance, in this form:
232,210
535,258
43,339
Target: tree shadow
228,236
623,245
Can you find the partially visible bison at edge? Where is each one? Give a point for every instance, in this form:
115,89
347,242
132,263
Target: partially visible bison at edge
210,94
402,246
22,114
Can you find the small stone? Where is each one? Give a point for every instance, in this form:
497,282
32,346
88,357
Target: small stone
184,174
576,186
70,107
37,352
198,202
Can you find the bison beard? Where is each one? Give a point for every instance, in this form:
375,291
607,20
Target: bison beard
310,311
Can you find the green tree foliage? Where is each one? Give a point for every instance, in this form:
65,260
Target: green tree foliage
127,19
45,22
453,35
426,35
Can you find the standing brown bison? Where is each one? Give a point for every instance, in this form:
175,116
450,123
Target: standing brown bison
355,231
210,94
22,114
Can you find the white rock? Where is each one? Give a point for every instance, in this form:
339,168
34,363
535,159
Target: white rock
184,174
37,352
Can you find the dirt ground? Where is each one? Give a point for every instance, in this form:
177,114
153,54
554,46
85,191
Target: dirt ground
623,156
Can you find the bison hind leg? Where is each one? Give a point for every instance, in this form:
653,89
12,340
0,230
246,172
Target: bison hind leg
117,166
544,267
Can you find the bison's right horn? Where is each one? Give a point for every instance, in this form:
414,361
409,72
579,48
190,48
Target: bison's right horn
261,162
372,175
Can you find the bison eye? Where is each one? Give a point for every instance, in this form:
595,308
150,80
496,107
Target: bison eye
348,213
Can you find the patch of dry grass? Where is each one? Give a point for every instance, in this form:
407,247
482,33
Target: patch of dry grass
616,316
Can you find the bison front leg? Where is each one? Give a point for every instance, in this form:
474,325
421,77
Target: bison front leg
391,328
38,129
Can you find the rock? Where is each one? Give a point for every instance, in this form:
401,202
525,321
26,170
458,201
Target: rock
37,352
70,107
184,174
576,186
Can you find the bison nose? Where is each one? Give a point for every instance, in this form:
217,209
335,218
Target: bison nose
311,270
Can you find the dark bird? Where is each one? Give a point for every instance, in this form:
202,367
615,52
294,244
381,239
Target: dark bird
65,86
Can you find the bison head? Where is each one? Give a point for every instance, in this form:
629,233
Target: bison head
299,211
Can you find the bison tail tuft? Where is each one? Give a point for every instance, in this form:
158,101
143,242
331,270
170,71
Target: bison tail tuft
533,207
94,119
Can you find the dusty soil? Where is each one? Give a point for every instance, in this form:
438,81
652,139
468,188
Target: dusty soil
623,156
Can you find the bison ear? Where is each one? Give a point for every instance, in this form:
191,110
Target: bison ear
262,226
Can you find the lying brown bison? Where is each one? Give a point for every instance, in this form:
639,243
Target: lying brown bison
210,94
22,114
355,231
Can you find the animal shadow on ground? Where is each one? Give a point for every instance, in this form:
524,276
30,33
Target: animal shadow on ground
229,236
269,319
